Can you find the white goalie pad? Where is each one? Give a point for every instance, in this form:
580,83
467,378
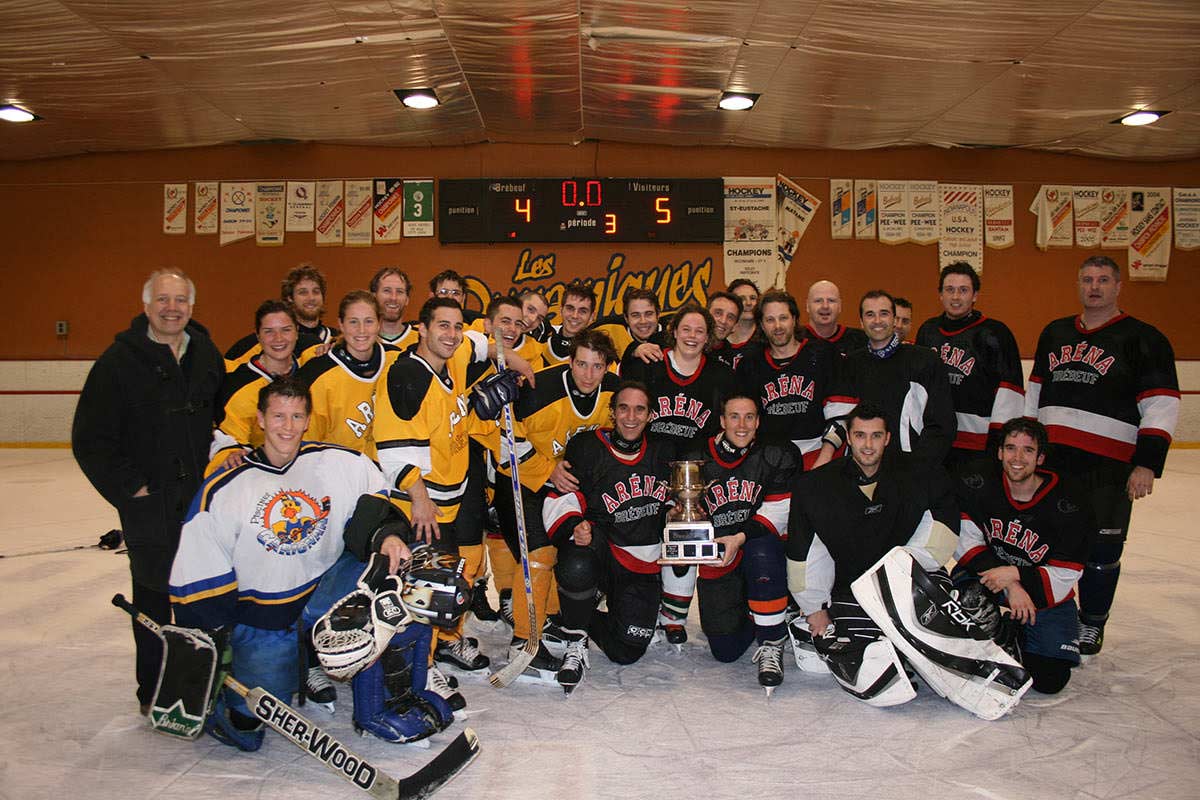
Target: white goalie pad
942,642
872,673
807,658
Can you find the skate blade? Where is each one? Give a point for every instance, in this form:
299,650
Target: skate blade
769,689
474,675
537,677
328,708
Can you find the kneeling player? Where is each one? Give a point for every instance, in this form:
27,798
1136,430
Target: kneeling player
844,517
609,535
262,554
1024,535
747,497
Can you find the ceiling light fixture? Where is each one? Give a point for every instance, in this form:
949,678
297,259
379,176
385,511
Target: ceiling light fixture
11,113
1143,117
417,98
737,101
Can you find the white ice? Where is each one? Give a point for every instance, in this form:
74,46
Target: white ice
675,726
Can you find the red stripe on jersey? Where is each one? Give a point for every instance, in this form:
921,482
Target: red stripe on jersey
1065,565
1158,393
945,332
1079,326
974,551
633,564
766,523
1090,442
1155,432
965,440
837,398
1012,387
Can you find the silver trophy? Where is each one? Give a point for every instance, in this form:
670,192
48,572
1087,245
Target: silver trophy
688,537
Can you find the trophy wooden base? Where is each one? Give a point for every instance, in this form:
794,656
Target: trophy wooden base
689,543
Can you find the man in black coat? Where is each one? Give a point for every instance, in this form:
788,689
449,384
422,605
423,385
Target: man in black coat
141,435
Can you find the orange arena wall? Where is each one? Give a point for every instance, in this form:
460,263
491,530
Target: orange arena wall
81,234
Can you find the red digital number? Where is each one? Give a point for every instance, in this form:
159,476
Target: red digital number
523,209
593,198
570,193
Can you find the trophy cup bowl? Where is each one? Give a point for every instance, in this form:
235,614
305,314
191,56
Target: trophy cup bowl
688,537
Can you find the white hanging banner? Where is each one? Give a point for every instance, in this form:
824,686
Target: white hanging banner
924,226
1149,233
998,225
749,220
386,206
865,206
237,211
330,210
1114,217
1088,212
301,202
358,213
175,208
205,215
1052,205
841,207
1187,218
270,204
893,212
961,225
794,210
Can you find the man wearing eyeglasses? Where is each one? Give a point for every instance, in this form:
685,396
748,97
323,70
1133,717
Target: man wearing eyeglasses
449,283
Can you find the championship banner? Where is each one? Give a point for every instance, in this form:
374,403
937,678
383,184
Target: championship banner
794,210
750,253
841,207
301,199
237,212
1187,218
1114,217
174,208
1087,210
418,209
864,209
330,208
1149,233
386,206
270,206
206,216
893,212
961,225
998,224
1052,205
924,225
358,213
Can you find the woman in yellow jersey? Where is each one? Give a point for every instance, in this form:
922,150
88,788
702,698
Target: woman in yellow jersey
342,381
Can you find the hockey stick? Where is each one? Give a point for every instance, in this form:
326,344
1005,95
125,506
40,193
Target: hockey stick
517,664
109,541
319,744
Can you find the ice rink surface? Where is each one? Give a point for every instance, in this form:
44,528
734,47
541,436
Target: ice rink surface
674,726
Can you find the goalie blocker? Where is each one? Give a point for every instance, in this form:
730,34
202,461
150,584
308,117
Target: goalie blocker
944,643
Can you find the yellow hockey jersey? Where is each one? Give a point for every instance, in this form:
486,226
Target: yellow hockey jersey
343,393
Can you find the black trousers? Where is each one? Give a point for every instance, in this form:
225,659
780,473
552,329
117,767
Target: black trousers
157,606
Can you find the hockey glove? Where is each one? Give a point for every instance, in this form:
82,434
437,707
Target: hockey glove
491,394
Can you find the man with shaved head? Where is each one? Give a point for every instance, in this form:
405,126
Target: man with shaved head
824,307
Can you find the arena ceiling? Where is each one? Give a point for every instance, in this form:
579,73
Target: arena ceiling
117,75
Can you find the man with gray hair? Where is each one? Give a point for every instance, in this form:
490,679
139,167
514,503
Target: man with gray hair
141,434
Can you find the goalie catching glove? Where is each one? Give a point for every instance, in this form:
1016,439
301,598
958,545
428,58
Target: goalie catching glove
353,634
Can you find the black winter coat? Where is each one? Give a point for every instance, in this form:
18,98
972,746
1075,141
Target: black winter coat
145,419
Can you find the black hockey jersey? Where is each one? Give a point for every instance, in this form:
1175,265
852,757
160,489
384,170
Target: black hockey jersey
841,524
748,490
844,340
797,395
624,497
1046,538
1111,392
912,389
732,355
984,368
683,408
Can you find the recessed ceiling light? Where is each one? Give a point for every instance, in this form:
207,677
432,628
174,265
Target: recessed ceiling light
417,98
737,101
11,113
1143,117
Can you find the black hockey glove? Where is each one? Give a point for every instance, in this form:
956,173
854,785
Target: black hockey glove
491,394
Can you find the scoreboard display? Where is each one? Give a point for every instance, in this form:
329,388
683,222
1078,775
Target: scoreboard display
494,210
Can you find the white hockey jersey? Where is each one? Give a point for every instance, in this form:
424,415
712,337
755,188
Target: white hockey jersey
258,538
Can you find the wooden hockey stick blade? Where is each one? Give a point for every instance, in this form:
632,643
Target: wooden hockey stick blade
338,758
516,665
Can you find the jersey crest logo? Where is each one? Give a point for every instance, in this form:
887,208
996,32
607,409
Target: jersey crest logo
957,358
368,414
293,522
1015,534
1082,353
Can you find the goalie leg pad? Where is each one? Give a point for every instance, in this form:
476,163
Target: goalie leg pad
871,671
406,674
222,728
185,682
942,642
374,714
807,658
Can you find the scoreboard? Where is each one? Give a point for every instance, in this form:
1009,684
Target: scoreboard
497,210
